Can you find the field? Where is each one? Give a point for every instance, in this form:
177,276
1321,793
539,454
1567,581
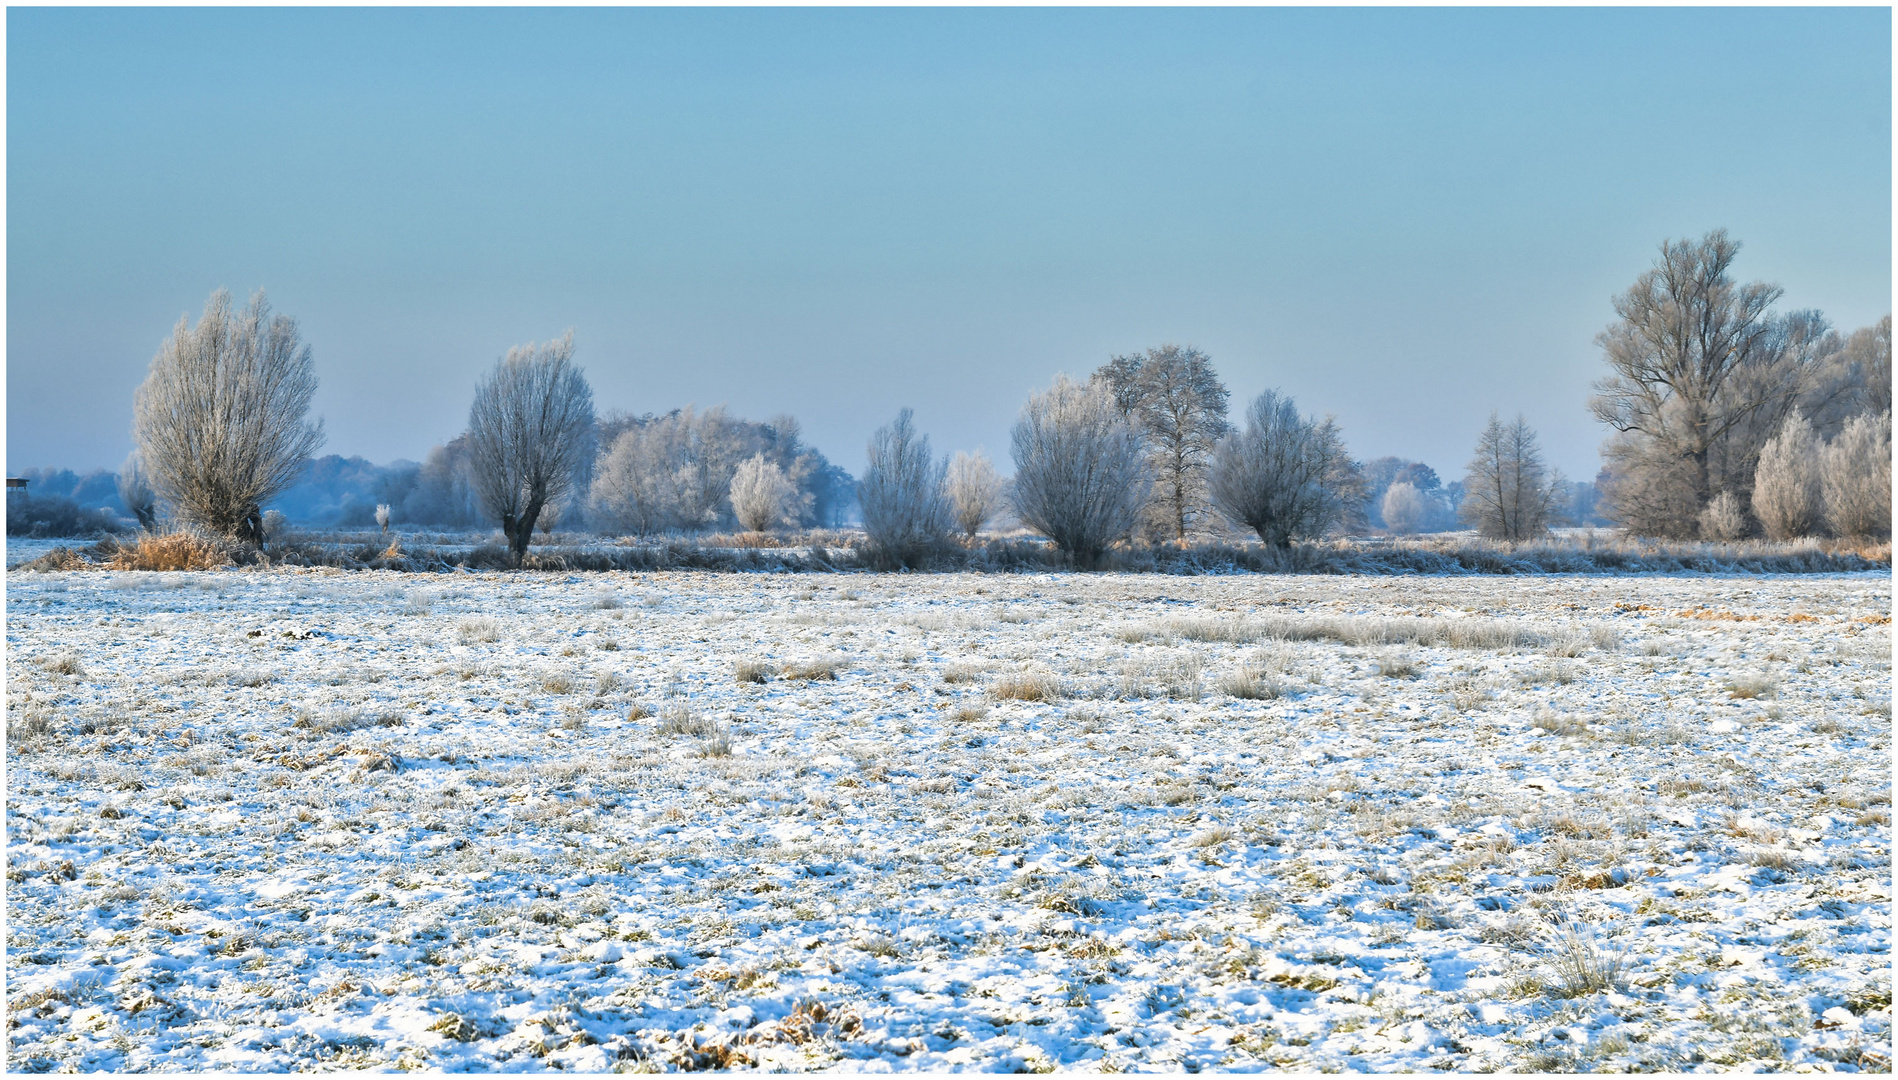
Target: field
263,820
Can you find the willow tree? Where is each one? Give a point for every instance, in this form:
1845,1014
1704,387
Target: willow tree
530,435
221,420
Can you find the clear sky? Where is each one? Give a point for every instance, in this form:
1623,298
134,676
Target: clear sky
1407,218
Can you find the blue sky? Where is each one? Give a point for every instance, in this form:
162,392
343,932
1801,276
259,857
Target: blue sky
1407,218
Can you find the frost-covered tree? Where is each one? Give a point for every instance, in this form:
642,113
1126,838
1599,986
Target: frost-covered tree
760,494
1786,497
1702,374
1403,508
135,491
1285,476
905,512
530,436
1081,476
382,516
221,421
1868,355
1174,398
975,491
661,473
1509,493
1855,478
1723,519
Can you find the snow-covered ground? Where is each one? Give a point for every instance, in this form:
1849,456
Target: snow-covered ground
268,820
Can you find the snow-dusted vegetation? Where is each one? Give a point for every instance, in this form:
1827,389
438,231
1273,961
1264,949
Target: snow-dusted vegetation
266,820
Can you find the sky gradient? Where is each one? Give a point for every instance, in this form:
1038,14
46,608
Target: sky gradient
1408,218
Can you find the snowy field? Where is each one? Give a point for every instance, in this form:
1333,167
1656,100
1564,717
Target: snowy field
270,820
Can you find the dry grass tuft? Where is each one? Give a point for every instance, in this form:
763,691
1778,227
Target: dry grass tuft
1028,684
681,720
63,663
1753,686
172,551
1585,968
969,714
1396,665
809,670
333,720
478,630
754,671
1250,683
1556,724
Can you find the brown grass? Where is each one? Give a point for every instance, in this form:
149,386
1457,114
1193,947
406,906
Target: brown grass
1028,685
753,671
825,668
172,551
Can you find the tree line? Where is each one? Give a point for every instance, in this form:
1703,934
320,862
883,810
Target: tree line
1727,420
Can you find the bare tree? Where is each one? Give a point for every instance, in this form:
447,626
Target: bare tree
1701,373
1868,352
760,493
1403,508
1723,519
1509,494
975,491
1284,476
1855,478
1175,399
1081,476
530,434
135,491
221,419
1786,483
901,494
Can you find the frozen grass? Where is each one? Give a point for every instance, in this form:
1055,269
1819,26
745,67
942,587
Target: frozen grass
827,550
1455,633
266,821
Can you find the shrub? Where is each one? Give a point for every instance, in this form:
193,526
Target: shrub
1723,519
1403,509
1855,479
760,494
1786,482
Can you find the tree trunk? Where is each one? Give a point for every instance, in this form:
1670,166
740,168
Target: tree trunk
508,530
524,530
254,527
